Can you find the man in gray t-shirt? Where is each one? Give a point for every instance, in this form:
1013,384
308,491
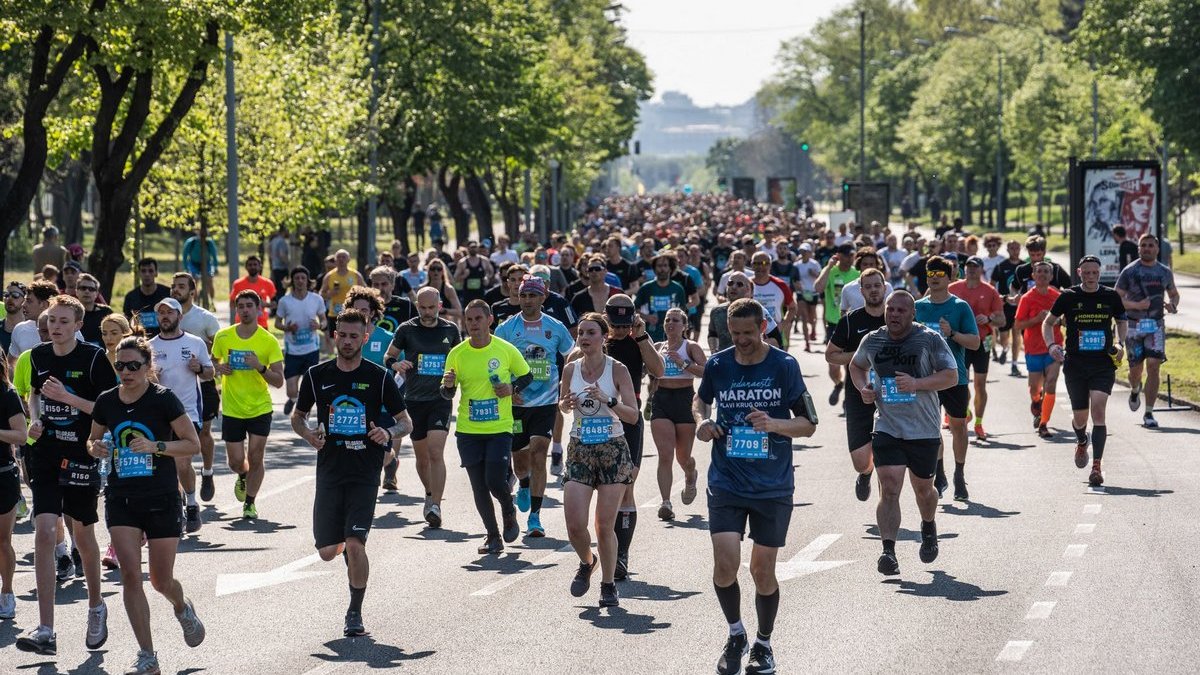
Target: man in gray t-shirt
901,367
1147,289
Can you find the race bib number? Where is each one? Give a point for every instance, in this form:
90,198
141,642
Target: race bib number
237,360
660,303
935,326
746,443
474,284
485,410
79,474
431,364
149,319
1091,340
130,464
540,368
594,430
1146,326
670,369
304,337
348,420
889,392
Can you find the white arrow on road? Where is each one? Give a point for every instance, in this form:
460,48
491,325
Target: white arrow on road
236,583
805,562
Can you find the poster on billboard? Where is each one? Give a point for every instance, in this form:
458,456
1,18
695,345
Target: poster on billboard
743,188
871,201
782,192
1106,194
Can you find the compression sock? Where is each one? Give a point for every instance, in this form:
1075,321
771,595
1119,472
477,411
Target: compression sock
730,599
535,504
766,606
978,420
1080,434
356,598
958,468
1099,438
524,482
889,546
191,499
1047,407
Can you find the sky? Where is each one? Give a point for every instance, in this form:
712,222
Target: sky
717,51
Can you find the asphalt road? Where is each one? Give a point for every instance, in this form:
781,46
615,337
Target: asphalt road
1037,573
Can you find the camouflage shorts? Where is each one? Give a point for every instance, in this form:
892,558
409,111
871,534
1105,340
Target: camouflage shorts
606,463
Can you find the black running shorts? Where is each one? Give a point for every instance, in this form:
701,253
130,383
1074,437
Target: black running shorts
955,400
428,416
530,422
768,518
235,429
919,455
159,516
673,404
1085,376
341,511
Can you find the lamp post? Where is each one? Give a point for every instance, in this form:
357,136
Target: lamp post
231,166
952,31
862,99
553,210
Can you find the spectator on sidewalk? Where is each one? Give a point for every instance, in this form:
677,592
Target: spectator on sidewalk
49,252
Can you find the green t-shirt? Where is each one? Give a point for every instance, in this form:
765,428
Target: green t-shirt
833,292
244,392
479,409
655,299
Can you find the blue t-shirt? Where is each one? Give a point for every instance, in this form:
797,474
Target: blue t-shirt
541,343
697,278
961,319
377,345
772,386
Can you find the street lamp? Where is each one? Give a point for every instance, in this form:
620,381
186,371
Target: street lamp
953,31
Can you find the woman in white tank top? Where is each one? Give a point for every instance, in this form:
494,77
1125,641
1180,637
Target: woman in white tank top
671,422
599,392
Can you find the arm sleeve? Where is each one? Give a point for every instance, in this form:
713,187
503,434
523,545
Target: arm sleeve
98,410
943,358
565,342
172,404
275,354
1060,305
398,340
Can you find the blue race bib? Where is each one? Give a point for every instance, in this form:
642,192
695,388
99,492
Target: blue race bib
660,303
149,319
130,464
485,410
889,392
1147,326
303,337
431,364
746,443
670,369
1091,340
237,359
348,420
593,430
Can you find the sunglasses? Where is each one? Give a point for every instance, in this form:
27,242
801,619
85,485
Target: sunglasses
762,263
736,283
131,366
92,289
935,274
14,295
595,269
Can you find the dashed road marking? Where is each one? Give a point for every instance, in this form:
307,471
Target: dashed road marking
1014,650
1059,578
1091,509
1085,528
1040,610
1075,551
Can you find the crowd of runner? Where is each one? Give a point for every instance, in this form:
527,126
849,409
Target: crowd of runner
548,361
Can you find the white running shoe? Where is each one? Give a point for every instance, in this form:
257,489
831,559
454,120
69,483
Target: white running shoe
97,626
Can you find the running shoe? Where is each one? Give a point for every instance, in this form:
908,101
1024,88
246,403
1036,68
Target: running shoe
665,512
287,407
535,526
354,624
208,488
146,664
192,520
960,488
97,627
929,546
40,640
110,559
250,512
1044,432
833,395
1035,408
77,560
689,487
1081,454
8,606
646,411
556,464
512,529
1148,421
491,546
390,484
583,577
608,595
888,564
1014,371
980,434
1096,479
730,662
239,488
1135,397
193,628
622,571
22,508
862,487
523,499
433,515
940,484
65,568
1003,357
761,661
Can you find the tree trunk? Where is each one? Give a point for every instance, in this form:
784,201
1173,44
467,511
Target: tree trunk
68,192
400,218
480,205
362,251
112,227
510,207
449,190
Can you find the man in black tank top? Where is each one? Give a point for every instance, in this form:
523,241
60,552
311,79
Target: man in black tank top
474,274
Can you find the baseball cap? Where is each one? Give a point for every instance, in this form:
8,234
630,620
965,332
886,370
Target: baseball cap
806,247
619,315
170,302
73,265
846,249
975,260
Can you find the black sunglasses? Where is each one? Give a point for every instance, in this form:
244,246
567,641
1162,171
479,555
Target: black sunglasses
131,366
13,294
87,288
596,269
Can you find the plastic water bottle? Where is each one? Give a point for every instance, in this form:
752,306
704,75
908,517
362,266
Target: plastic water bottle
104,462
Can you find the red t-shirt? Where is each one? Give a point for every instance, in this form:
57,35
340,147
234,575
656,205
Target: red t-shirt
1030,305
983,299
265,289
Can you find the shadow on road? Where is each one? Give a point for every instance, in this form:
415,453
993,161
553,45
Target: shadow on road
991,442
509,562
943,586
640,590
693,522
259,525
1117,491
442,534
1174,430
366,651
976,509
391,520
619,618
399,499
903,534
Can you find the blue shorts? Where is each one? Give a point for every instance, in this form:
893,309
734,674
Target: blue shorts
1038,363
296,365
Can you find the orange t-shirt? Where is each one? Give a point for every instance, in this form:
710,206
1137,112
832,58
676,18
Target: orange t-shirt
1030,305
983,299
265,289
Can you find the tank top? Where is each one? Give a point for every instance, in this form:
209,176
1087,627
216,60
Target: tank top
672,371
473,285
595,422
627,352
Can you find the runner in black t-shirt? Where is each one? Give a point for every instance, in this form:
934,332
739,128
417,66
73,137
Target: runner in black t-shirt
140,302
1090,357
620,266
12,433
360,412
1002,279
843,343
142,427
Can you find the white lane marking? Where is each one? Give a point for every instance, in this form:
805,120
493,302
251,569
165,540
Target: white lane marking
236,583
1014,650
1075,551
805,561
655,501
540,564
1085,528
327,667
1097,489
1041,610
234,507
1059,578
1091,509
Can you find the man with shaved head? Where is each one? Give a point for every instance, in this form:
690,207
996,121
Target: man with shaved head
425,341
900,368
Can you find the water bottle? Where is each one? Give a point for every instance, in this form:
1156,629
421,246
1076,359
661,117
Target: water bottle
104,462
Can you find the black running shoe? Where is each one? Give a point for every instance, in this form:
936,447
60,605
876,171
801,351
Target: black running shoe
730,662
287,407
583,577
1003,357
492,546
888,564
512,529
78,561
622,571
65,569
762,660
833,395
1044,432
191,519
354,624
940,484
960,488
1135,398
862,487
608,595
929,545
208,488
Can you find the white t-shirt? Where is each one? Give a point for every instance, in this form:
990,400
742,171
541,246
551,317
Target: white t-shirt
894,260
808,273
843,239
724,280
415,279
171,361
499,258
989,264
852,297
201,323
300,312
910,260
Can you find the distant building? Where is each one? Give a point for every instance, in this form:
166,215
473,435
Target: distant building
676,126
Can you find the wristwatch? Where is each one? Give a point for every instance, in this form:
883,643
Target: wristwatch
612,402
160,446
262,370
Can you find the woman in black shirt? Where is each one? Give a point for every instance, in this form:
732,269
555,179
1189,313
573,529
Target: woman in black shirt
142,427
12,434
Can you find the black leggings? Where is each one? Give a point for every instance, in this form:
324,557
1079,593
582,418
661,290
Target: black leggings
487,460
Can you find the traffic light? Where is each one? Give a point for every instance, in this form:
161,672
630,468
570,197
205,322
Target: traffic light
845,186
804,147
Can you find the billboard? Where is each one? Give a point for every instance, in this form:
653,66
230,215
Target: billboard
1105,194
743,188
782,192
871,201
